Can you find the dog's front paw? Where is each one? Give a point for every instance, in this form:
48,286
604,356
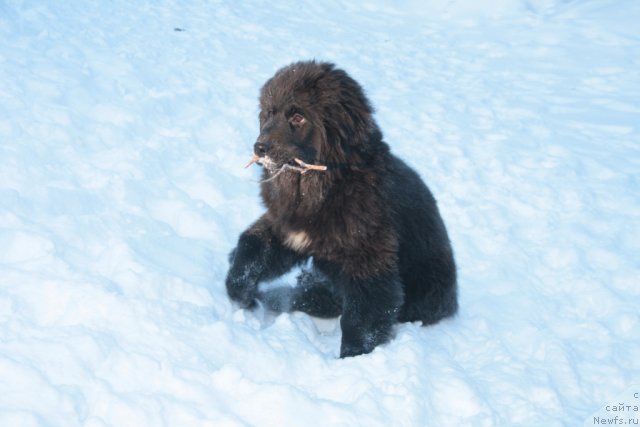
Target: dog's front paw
351,351
241,291
364,345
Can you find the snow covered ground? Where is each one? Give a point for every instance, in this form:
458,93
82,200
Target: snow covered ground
124,127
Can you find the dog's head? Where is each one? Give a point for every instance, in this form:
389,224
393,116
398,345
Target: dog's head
316,113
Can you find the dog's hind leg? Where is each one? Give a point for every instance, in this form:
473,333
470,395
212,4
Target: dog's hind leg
312,295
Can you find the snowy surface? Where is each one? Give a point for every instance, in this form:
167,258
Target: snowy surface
122,141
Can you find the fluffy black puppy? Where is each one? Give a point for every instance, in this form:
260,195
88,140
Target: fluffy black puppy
380,249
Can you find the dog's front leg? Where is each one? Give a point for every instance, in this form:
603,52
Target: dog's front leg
370,310
258,256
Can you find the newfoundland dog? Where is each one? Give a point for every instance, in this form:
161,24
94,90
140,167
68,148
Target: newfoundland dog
335,193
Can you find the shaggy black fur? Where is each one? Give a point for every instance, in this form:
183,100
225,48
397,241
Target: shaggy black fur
380,248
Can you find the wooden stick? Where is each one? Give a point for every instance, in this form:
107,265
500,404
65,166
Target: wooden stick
253,160
304,167
307,167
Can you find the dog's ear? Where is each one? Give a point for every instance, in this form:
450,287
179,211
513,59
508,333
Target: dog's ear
335,149
351,132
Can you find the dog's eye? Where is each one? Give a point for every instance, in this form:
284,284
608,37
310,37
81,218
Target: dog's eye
297,119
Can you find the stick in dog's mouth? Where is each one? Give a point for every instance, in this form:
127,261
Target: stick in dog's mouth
304,167
253,160
307,167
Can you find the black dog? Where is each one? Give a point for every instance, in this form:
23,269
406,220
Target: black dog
380,249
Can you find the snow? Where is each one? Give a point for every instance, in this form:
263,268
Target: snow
122,142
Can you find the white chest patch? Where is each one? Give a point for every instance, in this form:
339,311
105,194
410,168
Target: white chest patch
297,240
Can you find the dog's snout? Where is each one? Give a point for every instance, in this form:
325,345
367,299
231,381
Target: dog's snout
260,148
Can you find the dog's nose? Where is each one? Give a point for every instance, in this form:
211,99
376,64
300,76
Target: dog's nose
261,148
